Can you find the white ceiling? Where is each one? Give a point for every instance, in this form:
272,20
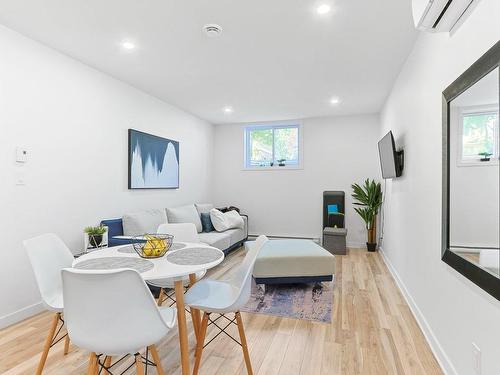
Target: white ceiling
275,60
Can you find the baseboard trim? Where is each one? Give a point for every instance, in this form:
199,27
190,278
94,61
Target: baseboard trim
356,245
429,335
21,314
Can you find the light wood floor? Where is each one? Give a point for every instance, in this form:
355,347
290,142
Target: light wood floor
372,332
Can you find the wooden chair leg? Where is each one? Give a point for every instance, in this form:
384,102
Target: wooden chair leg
161,296
48,342
107,363
200,343
66,344
139,365
92,369
244,345
156,360
195,313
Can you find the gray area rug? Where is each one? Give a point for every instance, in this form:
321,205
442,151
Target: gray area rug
313,301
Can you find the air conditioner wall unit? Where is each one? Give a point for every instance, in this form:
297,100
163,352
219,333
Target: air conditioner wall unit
441,15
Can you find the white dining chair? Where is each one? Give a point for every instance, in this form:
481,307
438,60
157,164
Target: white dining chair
182,232
48,255
223,297
112,313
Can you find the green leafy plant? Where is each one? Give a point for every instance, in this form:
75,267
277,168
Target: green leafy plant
96,231
369,198
95,234
485,155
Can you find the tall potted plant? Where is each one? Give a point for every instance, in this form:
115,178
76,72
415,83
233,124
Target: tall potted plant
369,198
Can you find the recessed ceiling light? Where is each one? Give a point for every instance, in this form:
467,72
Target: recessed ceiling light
323,9
227,109
128,45
334,100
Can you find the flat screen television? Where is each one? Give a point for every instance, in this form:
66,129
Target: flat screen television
391,161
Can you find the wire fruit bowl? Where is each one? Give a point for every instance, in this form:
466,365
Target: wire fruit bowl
152,245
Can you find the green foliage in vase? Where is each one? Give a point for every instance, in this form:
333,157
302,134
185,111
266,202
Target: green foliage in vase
96,231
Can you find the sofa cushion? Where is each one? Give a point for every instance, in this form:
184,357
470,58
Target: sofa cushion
293,258
204,207
147,221
185,214
236,235
222,241
206,222
223,221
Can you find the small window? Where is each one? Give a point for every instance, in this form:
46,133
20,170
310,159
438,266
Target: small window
479,136
272,146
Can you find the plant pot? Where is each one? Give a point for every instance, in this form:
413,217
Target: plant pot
95,240
485,159
371,246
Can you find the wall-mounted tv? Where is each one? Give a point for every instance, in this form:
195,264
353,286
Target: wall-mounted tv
391,161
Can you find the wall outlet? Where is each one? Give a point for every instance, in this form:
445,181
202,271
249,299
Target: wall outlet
476,358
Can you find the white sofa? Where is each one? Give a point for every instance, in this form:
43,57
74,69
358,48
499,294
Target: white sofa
147,221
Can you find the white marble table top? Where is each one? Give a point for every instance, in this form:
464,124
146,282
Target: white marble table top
162,267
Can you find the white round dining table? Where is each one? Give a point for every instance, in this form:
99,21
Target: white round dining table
183,264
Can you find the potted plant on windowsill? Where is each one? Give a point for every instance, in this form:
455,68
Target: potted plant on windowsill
485,156
369,198
281,162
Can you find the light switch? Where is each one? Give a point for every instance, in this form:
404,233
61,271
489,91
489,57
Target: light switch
21,155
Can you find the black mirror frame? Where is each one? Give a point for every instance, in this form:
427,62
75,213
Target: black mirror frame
485,280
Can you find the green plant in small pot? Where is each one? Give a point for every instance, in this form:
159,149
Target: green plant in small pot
369,198
95,235
281,162
485,156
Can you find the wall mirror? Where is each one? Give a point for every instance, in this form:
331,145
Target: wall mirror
471,173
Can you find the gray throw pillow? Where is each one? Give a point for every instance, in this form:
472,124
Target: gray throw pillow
142,222
185,214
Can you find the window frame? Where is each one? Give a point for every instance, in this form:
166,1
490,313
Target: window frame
273,126
477,110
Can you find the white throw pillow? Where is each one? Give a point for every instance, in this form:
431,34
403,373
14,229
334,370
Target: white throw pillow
185,214
223,221
234,218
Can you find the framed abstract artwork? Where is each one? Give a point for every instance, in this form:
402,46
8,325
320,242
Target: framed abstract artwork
153,162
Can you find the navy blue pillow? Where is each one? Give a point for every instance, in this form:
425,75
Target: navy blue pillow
206,222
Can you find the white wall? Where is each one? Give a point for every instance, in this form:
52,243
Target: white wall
74,121
337,151
453,311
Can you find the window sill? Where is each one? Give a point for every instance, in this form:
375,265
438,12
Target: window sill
286,167
477,163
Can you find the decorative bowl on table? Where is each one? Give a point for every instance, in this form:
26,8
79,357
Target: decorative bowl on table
152,245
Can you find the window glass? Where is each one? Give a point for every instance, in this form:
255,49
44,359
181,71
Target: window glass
479,134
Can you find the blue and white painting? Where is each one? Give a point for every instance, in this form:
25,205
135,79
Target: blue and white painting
153,161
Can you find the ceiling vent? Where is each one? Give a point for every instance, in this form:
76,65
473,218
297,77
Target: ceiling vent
441,15
212,30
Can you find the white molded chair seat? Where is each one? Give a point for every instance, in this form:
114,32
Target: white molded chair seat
212,296
54,303
225,296
48,255
112,313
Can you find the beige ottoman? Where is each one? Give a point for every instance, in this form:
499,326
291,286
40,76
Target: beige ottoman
293,261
